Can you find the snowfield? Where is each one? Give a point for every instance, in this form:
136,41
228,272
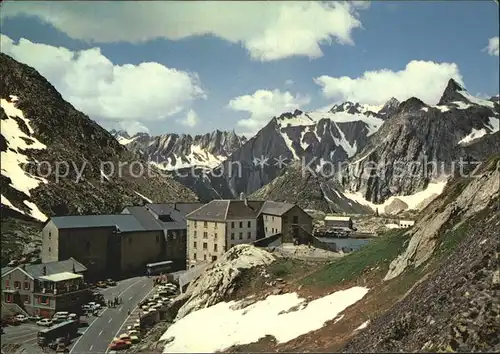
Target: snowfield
13,158
416,201
285,317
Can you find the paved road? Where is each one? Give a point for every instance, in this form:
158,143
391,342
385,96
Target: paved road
104,328
25,333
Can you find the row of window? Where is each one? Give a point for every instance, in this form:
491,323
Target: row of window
41,300
205,234
249,235
17,284
205,246
205,224
214,258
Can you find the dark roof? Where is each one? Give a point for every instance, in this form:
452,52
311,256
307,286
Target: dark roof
146,217
183,208
6,269
214,210
239,209
36,270
124,222
276,208
227,210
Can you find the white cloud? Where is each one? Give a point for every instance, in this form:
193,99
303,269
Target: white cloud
268,30
263,105
493,46
423,79
105,91
289,82
191,119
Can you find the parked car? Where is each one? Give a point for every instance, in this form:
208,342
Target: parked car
119,345
101,284
110,282
22,318
12,321
45,322
34,318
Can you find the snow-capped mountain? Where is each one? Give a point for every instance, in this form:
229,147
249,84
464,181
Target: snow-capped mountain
313,138
173,151
57,161
419,145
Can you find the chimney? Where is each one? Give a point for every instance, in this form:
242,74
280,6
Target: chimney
74,268
44,270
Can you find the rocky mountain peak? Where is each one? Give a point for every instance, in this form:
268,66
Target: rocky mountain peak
389,107
411,104
452,93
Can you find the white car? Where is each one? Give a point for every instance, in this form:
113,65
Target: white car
44,322
21,318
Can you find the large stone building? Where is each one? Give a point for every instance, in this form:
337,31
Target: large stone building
119,244
221,224
43,289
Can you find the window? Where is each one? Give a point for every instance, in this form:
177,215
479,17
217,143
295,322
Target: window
272,230
7,283
194,245
241,224
214,258
49,249
195,224
241,235
50,236
204,257
194,256
27,299
266,228
215,235
232,224
194,233
26,285
205,245
249,235
295,219
215,225
215,247
205,224
17,285
273,218
205,234
249,224
157,239
44,300
8,297
232,235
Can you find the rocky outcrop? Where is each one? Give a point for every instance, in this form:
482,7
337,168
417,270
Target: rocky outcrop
220,279
462,199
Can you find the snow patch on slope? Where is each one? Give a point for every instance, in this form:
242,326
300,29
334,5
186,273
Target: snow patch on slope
13,158
475,134
414,201
285,317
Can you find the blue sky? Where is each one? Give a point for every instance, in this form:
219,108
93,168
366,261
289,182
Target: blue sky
213,55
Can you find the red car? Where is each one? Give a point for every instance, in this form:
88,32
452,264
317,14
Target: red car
119,345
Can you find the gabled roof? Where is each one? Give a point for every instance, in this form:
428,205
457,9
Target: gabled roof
36,270
221,210
145,215
124,222
276,208
183,208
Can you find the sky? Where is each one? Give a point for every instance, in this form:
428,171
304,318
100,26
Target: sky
196,66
